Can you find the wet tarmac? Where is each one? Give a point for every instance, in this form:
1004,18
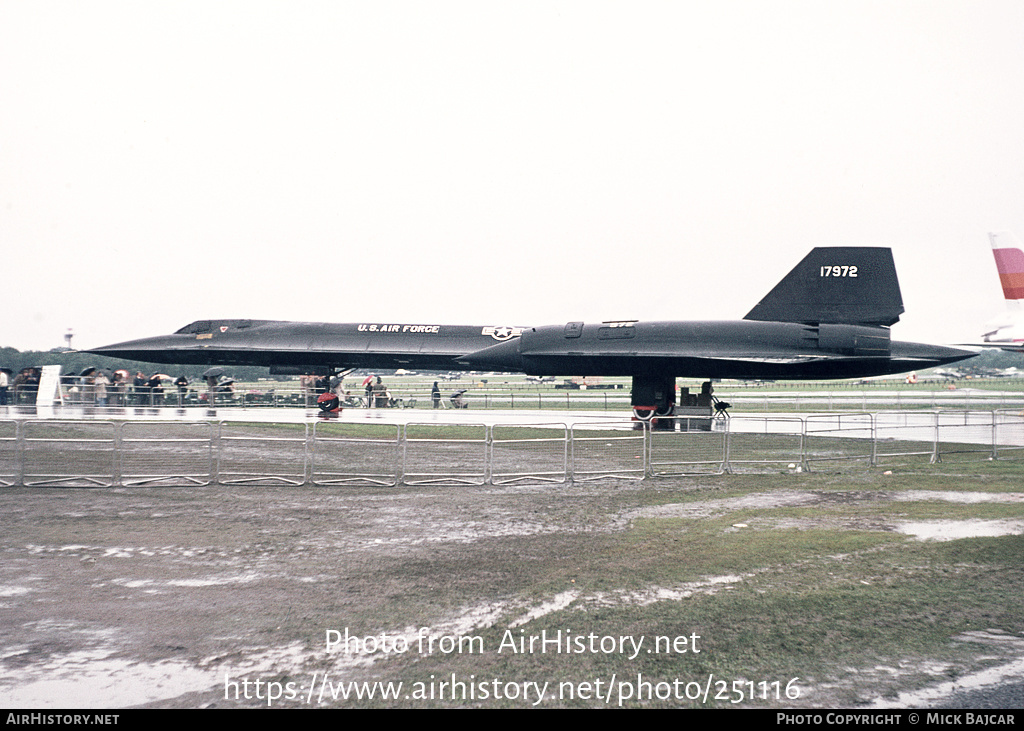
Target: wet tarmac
306,416
969,427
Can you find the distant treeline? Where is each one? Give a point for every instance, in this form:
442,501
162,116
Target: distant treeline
74,362
990,359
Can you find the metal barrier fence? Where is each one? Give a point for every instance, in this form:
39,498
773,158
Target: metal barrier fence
103,453
8,453
452,454
68,453
698,452
839,437
167,453
966,395
529,453
608,450
262,454
344,454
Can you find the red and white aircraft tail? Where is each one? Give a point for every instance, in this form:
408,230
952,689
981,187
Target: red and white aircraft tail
1009,257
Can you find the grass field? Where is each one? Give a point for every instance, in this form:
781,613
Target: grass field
815,583
782,577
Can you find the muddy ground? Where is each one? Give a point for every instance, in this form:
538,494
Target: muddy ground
186,597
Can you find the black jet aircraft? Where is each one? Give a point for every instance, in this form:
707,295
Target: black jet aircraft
828,318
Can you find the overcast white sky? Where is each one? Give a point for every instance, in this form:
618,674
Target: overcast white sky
496,162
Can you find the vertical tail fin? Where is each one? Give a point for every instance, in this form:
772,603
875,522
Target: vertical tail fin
1010,263
852,285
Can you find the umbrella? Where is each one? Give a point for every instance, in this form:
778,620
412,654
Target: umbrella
88,371
215,372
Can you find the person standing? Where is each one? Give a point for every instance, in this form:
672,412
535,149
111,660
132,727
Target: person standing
99,384
119,388
380,394
4,383
140,389
182,383
156,390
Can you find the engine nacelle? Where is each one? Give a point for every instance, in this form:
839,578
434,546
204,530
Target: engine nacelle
854,340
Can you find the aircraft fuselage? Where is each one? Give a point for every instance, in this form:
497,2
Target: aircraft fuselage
702,349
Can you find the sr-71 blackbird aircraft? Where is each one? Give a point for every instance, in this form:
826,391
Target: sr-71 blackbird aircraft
828,318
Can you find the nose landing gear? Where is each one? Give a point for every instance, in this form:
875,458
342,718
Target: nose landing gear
328,402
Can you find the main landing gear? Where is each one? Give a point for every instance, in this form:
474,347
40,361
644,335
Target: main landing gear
653,396
654,402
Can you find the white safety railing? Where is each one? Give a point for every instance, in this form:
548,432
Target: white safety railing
347,454
529,453
998,394
102,453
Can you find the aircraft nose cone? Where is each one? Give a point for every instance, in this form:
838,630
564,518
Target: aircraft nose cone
161,349
129,348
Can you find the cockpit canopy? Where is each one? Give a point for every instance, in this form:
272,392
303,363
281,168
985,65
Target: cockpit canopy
206,326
